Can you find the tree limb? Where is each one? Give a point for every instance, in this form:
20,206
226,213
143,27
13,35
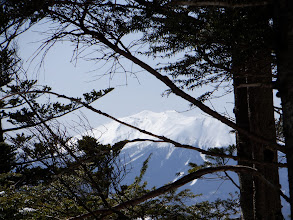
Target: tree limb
252,85
165,139
221,4
182,94
182,181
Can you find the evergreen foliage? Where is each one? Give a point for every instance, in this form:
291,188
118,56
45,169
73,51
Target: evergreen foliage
7,157
79,190
216,45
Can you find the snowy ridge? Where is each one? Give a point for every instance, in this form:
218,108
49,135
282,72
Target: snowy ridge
167,160
200,131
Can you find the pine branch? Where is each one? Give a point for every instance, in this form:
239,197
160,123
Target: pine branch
181,182
165,139
164,79
182,94
40,122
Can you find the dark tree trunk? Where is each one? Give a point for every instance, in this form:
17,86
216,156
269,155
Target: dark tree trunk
254,111
244,148
262,123
1,132
283,22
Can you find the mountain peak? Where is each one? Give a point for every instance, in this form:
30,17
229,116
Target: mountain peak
198,131
166,160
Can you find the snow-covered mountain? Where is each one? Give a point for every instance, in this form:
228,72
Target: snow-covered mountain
167,160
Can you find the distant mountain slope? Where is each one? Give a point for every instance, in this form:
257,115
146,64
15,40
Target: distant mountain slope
201,131
167,160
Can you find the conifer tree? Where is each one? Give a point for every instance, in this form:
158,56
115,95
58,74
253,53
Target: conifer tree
211,33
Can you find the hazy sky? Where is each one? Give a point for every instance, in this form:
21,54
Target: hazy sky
133,94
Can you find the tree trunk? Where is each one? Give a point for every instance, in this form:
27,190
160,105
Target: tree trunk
1,132
262,123
254,111
283,22
244,148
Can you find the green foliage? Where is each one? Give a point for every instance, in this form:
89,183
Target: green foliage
230,150
176,205
279,128
214,160
42,171
22,108
14,14
80,185
94,95
219,209
72,179
90,183
7,157
196,36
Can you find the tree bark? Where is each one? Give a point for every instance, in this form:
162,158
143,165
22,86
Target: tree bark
1,132
283,22
261,116
254,112
244,148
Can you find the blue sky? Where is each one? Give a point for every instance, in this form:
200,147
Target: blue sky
132,94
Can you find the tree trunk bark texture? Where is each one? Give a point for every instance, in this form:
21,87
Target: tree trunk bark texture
1,132
254,111
244,148
283,22
262,123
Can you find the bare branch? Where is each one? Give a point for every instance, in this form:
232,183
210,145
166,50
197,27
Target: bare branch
227,4
177,91
40,122
181,93
231,179
252,85
181,182
165,139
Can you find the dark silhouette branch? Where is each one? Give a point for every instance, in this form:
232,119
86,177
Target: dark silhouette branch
181,182
63,144
221,4
231,179
182,94
40,122
165,139
101,37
